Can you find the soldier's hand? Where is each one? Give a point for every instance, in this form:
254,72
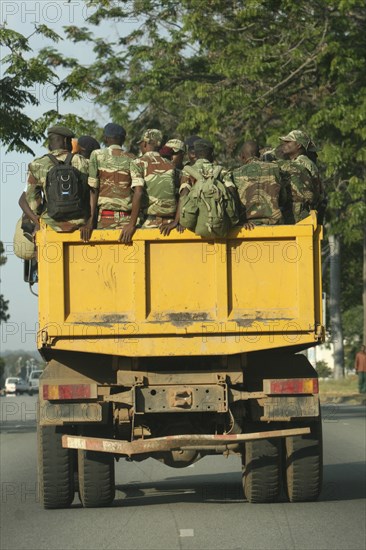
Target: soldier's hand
180,228
249,225
166,229
126,234
37,227
86,231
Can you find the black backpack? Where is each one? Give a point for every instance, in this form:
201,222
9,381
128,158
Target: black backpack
66,191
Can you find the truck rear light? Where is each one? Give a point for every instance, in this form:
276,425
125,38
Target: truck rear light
53,392
291,386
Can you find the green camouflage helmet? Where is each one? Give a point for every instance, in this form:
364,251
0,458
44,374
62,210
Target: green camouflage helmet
299,137
152,135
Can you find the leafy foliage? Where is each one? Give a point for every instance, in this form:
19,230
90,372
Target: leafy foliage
22,74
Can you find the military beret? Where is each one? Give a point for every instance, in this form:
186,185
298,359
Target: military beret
299,137
114,130
151,135
176,144
88,142
190,141
60,131
202,146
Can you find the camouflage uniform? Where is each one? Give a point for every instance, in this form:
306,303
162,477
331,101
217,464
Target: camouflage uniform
36,184
303,177
109,172
261,190
157,175
304,195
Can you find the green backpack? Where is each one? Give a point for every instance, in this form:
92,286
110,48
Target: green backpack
209,208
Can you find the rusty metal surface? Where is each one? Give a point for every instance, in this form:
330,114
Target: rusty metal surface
179,398
169,443
128,377
57,414
289,408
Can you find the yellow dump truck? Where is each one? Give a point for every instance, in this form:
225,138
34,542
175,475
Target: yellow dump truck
177,348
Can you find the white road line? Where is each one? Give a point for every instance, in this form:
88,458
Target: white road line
186,532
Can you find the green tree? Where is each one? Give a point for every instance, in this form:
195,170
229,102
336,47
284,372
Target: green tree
22,73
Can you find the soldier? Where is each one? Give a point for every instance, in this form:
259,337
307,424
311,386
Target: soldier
174,150
110,176
154,190
261,187
86,145
33,200
204,154
302,174
204,163
189,143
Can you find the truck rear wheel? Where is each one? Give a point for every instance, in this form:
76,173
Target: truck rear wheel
96,479
262,470
304,465
55,469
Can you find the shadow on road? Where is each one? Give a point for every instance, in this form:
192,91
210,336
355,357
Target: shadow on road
341,482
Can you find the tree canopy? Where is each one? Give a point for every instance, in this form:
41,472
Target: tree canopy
227,70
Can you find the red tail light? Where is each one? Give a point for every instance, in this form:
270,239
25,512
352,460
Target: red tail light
291,386
54,392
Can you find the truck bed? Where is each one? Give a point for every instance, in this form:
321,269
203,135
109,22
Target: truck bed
181,295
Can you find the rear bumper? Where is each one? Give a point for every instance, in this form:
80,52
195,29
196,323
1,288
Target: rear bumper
170,443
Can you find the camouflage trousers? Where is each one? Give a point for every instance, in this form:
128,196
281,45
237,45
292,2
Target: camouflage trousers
153,222
115,220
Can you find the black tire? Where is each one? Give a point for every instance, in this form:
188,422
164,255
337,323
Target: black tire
96,479
55,469
304,465
262,470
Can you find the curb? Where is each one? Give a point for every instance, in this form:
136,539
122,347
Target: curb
352,399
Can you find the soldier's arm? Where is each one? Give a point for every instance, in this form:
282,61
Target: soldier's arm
166,229
137,185
93,183
23,203
31,201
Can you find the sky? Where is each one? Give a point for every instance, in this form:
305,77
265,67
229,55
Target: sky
20,331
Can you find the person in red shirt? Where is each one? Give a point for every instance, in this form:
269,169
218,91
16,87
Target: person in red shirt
360,367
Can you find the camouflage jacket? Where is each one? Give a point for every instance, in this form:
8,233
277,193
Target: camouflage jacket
304,188
110,173
261,190
158,177
36,184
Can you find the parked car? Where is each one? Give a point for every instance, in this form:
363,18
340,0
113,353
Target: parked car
10,386
15,385
33,381
21,386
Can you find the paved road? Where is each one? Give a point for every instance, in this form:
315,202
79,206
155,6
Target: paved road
199,507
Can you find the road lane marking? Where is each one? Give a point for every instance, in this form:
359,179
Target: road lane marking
186,532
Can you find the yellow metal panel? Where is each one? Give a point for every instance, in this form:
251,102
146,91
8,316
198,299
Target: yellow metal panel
100,282
258,289
179,285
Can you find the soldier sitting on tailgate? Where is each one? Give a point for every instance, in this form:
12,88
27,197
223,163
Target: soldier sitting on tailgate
110,176
154,189
34,199
261,188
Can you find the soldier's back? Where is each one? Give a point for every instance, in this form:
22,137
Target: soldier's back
261,191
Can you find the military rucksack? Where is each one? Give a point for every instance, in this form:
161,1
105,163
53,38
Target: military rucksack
66,191
209,208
